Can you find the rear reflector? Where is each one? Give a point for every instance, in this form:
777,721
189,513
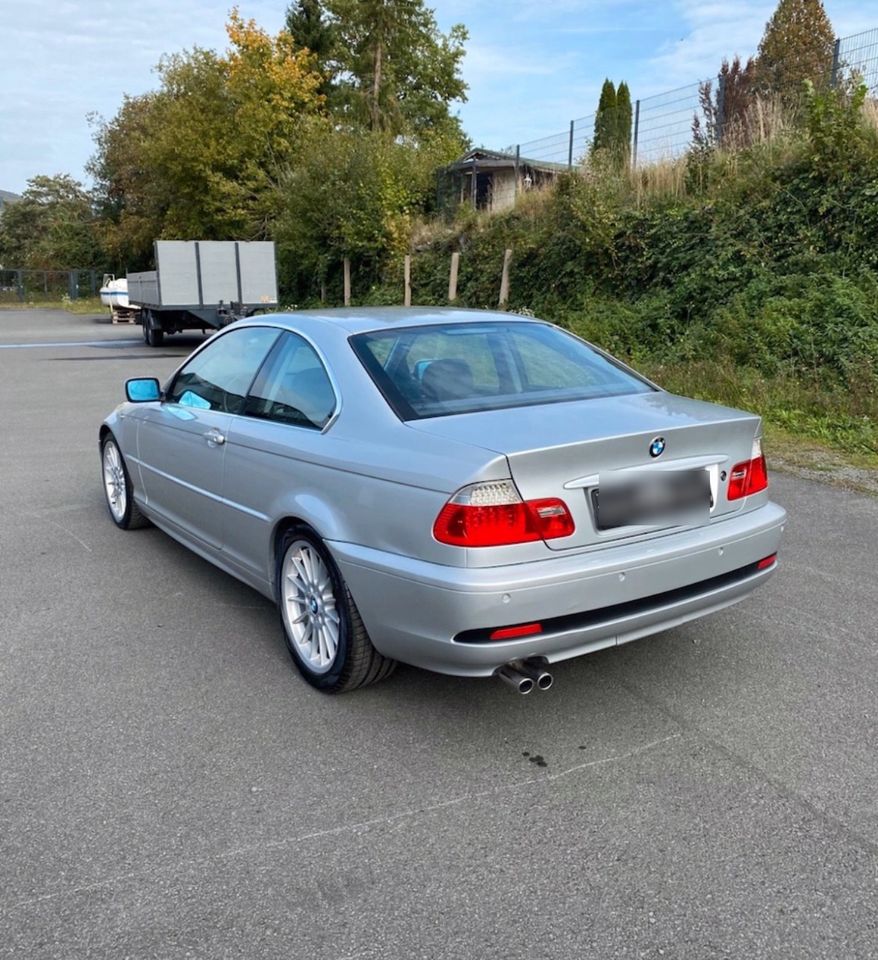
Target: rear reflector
749,476
494,515
766,562
509,633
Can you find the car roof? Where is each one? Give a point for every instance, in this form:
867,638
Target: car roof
353,320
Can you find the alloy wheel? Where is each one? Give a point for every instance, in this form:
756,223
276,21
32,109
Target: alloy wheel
114,481
309,608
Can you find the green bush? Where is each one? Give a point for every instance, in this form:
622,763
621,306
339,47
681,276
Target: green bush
757,288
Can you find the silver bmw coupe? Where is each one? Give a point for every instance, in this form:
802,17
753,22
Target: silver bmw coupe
470,492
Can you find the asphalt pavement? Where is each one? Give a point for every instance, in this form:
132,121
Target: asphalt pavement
169,787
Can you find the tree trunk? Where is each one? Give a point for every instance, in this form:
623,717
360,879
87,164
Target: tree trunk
376,85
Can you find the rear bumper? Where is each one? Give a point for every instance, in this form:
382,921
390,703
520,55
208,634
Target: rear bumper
416,612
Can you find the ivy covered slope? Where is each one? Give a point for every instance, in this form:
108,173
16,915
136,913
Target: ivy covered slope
748,277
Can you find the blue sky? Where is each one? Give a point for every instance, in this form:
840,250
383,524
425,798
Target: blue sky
531,66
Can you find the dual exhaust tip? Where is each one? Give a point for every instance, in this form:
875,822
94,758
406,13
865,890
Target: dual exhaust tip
524,675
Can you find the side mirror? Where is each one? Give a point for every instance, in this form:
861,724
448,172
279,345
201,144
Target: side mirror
143,389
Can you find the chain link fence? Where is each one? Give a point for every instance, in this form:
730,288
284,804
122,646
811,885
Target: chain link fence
42,286
569,148
856,58
663,123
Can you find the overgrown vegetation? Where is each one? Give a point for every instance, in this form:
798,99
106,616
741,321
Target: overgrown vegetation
754,283
52,227
745,272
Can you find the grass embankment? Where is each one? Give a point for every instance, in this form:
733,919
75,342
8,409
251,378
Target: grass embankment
749,278
808,430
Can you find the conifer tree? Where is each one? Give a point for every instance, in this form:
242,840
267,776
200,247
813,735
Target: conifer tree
605,117
307,21
622,126
310,26
797,46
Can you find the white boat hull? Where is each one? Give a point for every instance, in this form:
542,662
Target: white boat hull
114,294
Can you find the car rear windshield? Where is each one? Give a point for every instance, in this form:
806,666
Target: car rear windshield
445,369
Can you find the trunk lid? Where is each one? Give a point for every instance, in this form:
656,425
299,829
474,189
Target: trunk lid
563,449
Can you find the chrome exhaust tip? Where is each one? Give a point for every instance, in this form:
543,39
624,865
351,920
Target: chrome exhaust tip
537,672
513,677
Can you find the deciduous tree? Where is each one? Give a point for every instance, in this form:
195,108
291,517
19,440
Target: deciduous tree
52,226
352,193
201,156
390,68
725,107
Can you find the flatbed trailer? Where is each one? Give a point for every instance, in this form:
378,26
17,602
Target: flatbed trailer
203,284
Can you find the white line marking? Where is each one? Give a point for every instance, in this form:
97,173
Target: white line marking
347,828
69,343
69,533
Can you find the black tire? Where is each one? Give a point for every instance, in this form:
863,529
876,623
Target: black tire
155,336
127,516
356,663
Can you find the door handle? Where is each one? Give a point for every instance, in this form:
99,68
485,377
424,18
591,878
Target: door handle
214,438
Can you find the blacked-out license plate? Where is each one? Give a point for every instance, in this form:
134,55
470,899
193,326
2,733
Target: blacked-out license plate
652,498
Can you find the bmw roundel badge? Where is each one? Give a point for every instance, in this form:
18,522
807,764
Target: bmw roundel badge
657,447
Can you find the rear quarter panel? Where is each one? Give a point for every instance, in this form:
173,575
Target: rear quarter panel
384,492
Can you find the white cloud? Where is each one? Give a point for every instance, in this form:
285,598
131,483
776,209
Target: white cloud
483,61
713,31
709,33
531,64
63,59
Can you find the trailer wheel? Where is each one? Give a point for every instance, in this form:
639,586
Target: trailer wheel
152,331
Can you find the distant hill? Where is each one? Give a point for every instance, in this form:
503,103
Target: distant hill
7,197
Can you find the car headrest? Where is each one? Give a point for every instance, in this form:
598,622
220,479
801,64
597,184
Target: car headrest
449,379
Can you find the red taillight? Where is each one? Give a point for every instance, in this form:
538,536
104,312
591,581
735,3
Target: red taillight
766,562
749,476
509,633
494,515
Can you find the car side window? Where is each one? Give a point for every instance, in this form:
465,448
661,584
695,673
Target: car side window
293,387
219,376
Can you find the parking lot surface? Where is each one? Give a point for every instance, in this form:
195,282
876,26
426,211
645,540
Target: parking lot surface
169,787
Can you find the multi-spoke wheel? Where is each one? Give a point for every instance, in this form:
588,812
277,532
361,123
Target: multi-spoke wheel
117,488
322,626
310,614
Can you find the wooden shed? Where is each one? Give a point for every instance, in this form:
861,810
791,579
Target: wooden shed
491,180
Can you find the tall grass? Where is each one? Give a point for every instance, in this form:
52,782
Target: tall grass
658,180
